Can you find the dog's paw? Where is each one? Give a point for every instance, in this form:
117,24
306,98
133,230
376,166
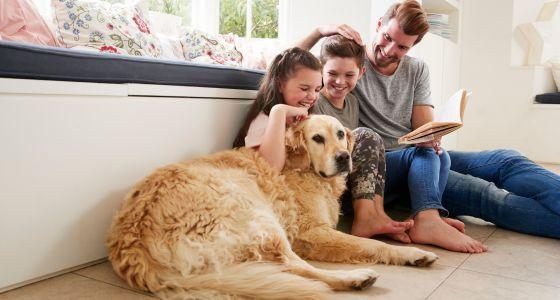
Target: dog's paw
421,258
360,279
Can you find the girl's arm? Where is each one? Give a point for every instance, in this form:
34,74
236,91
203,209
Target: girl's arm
273,145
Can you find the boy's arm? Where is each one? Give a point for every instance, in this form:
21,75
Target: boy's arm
326,30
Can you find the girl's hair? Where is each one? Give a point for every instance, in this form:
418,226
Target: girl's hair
281,69
339,46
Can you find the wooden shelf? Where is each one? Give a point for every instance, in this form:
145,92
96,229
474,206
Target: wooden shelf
451,8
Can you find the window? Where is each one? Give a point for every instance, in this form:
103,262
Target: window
261,19
249,18
180,8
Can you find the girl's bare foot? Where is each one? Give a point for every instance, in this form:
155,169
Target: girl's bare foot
430,228
370,219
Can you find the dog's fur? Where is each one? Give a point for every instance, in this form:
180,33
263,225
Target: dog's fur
229,226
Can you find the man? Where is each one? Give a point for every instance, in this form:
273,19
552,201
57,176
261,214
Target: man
475,185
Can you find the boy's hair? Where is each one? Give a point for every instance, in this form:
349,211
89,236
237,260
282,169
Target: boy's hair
339,46
281,69
411,16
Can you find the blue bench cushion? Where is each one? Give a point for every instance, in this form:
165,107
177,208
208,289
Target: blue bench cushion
50,63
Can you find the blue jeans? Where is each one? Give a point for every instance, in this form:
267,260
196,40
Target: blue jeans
505,188
418,174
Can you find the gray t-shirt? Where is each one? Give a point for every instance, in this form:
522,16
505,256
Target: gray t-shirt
348,116
386,101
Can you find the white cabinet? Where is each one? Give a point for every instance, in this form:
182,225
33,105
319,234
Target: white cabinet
71,151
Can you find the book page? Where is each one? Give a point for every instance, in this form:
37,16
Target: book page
452,110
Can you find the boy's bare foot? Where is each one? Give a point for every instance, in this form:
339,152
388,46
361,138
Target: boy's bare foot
430,228
370,219
399,237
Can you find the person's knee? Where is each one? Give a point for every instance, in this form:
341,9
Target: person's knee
444,159
368,136
509,156
507,153
426,152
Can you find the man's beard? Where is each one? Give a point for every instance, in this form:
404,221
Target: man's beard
380,60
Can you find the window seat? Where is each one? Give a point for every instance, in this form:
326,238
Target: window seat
52,63
79,129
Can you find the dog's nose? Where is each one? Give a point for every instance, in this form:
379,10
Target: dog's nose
341,157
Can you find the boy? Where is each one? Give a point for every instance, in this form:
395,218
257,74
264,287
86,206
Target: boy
343,65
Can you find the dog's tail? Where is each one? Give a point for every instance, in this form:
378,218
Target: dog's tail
257,280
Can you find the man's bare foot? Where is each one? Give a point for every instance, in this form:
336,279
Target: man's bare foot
370,219
430,228
455,223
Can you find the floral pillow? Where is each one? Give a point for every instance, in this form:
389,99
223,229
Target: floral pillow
104,26
199,46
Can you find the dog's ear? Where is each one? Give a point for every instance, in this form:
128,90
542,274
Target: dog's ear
297,156
350,139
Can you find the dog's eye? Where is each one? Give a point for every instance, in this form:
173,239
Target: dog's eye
340,134
319,139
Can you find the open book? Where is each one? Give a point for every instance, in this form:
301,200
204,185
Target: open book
448,118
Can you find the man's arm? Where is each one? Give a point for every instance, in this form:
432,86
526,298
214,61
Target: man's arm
326,30
422,114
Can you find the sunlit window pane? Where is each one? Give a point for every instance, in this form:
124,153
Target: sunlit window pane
233,16
265,19
180,8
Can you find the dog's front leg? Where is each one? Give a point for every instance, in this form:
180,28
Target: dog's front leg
326,244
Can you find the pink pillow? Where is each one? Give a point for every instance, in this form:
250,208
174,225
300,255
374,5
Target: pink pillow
20,22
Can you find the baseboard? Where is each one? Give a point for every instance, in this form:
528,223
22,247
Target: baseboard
51,275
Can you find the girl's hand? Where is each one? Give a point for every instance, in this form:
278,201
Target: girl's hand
291,113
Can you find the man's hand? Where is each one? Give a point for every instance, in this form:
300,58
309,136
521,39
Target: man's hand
436,144
342,29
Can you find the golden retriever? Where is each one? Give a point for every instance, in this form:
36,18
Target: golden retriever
228,226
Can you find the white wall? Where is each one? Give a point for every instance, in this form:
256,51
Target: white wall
306,15
501,113
524,11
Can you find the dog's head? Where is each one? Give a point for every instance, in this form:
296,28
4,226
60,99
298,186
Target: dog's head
321,143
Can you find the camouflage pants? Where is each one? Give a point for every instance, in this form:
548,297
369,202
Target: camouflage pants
367,178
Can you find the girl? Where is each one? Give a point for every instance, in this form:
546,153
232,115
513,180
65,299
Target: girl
290,87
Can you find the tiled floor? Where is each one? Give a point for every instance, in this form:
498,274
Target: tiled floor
517,266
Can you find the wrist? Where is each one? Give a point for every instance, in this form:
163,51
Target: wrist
317,33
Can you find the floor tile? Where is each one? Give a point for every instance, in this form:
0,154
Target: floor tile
395,282
71,286
104,272
446,258
468,285
519,256
477,228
